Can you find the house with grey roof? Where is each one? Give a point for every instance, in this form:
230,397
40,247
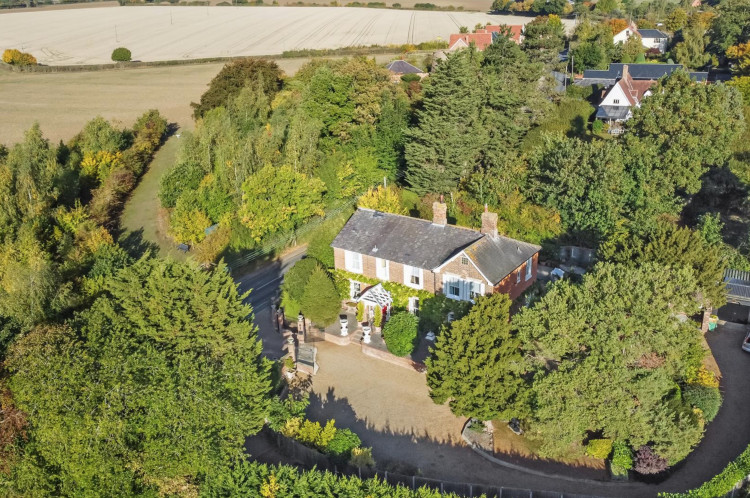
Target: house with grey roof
609,76
461,263
654,39
399,68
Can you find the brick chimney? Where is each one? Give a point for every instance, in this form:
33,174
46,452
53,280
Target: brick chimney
489,223
439,212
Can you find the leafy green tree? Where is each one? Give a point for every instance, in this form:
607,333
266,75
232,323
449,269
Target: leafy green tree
547,7
607,354
676,20
513,100
320,301
476,364
233,77
691,50
671,247
295,283
445,144
731,25
152,388
385,199
687,126
400,333
389,133
28,181
544,38
585,182
589,55
99,135
279,199
710,226
606,6
632,49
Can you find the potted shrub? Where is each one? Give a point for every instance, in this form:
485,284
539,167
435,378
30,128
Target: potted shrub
290,367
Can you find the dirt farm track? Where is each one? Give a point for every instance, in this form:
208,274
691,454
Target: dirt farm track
152,33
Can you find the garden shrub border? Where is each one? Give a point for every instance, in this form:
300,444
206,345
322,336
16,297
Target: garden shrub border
721,484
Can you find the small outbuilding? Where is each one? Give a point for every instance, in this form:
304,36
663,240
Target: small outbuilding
737,308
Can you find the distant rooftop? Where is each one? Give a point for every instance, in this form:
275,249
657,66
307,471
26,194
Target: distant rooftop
637,72
403,67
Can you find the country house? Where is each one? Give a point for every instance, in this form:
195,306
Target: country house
434,256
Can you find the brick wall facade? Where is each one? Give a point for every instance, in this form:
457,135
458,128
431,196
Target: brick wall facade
514,289
433,282
455,267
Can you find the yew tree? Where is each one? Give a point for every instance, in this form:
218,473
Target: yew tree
154,386
607,356
476,363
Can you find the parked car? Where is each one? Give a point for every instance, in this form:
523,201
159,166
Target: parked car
746,343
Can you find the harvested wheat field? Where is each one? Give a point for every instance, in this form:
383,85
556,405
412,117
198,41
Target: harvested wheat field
63,102
153,33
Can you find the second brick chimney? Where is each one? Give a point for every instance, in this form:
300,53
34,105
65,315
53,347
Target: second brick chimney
489,223
439,212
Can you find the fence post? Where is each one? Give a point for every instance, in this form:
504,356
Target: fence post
441,488
471,491
413,482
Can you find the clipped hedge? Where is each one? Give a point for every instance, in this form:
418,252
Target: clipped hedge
400,333
721,484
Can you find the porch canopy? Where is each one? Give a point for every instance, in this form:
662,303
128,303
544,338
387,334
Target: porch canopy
376,296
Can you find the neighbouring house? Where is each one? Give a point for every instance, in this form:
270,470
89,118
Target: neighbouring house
625,86
608,77
483,37
433,256
399,68
626,33
653,38
516,31
650,38
620,99
460,41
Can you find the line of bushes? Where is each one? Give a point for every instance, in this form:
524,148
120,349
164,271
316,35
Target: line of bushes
721,484
342,446
256,479
365,50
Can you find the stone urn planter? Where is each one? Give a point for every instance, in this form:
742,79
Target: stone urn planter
367,332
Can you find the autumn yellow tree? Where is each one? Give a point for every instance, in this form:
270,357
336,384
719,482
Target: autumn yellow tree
386,199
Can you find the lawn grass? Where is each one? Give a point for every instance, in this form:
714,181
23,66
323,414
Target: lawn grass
142,213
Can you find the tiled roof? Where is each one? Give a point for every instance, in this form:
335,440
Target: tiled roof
640,72
497,257
651,33
421,243
402,239
480,40
738,286
516,30
402,67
